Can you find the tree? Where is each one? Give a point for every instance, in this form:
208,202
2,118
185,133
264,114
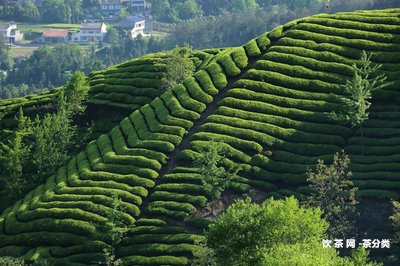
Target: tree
396,219
6,61
179,66
27,11
276,232
335,194
13,158
75,93
116,228
359,93
112,36
215,177
56,11
188,9
246,231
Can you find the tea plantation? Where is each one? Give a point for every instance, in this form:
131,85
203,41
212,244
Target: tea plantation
269,101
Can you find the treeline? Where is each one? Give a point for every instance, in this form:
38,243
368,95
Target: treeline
173,11
49,67
61,11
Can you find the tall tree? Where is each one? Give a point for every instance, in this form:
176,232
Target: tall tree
335,194
56,11
215,177
179,66
359,93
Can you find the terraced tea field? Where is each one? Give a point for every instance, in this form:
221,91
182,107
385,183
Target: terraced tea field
268,101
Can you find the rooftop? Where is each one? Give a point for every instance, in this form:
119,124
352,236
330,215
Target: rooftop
55,33
129,22
110,2
91,26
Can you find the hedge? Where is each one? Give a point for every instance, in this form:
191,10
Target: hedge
280,134
140,230
278,167
252,49
176,108
146,221
133,91
342,64
165,212
240,58
155,126
235,142
334,67
345,42
182,188
229,151
156,249
217,75
367,19
229,65
160,260
178,197
377,194
183,177
204,80
284,122
349,24
377,184
270,109
163,115
299,83
275,34
274,90
186,101
196,92
173,205
349,33
41,239
163,239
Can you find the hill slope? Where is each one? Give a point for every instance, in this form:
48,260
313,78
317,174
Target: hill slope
269,101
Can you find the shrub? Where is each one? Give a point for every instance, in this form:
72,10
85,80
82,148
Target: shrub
239,56
163,260
252,49
217,75
204,80
275,34
186,101
178,197
196,92
377,194
176,108
229,66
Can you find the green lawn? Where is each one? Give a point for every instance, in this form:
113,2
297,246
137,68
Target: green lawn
39,28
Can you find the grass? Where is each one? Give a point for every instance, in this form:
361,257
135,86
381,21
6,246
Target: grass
22,51
39,27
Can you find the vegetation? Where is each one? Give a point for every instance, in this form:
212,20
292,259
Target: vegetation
178,67
396,219
277,232
215,178
272,116
359,90
335,194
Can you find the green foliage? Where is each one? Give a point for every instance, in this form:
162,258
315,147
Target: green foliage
359,90
335,194
9,261
395,218
246,230
215,178
178,67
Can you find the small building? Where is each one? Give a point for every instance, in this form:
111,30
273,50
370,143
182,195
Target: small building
10,33
54,36
135,24
110,8
135,5
90,32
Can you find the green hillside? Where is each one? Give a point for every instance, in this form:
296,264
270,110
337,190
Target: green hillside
269,101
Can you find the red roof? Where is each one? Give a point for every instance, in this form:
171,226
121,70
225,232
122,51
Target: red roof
55,33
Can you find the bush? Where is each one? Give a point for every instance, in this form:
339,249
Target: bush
252,49
163,115
182,188
217,75
163,260
156,249
186,101
196,92
240,58
204,80
163,239
155,126
229,66
144,222
275,34
263,42
176,108
178,197
377,194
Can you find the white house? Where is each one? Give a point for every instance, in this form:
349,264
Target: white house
135,24
138,27
10,33
90,32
